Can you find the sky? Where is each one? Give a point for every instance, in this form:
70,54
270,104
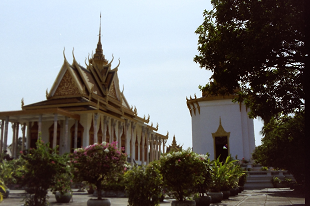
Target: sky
154,40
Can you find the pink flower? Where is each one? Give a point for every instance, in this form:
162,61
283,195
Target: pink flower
53,162
179,160
21,152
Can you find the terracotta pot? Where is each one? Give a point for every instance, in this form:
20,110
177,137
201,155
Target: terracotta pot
203,201
183,203
226,194
96,202
216,196
63,198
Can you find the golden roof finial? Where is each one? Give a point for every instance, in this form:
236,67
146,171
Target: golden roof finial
22,102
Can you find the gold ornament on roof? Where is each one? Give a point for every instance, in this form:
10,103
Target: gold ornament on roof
46,93
157,127
22,102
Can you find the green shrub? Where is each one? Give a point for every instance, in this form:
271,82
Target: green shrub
144,185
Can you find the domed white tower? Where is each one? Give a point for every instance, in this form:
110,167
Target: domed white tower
221,127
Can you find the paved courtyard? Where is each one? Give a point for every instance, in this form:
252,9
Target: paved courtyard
268,196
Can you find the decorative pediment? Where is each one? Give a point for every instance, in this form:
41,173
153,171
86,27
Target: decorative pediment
67,86
220,131
112,91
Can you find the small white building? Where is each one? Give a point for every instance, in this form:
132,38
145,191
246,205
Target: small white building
221,127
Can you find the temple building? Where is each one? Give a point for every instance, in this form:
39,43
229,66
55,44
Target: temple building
85,106
221,127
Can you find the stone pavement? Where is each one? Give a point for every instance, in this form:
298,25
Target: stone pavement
268,197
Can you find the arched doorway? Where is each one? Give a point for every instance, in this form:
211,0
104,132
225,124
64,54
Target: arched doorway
80,132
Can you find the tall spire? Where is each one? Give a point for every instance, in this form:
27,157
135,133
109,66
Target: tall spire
98,56
100,29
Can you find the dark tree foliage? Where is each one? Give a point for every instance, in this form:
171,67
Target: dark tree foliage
259,47
283,145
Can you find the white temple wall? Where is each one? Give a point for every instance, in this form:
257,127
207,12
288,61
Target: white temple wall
207,122
85,121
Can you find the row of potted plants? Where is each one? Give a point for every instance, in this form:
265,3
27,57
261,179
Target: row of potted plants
179,174
185,176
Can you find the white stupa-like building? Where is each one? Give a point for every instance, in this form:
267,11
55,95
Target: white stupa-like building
221,127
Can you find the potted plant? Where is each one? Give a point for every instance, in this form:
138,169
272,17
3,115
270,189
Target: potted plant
181,172
95,163
62,184
144,185
40,168
204,184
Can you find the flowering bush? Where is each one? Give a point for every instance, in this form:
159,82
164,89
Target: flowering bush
144,185
97,162
40,168
182,171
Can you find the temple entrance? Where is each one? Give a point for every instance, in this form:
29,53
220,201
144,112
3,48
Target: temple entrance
80,131
51,135
221,148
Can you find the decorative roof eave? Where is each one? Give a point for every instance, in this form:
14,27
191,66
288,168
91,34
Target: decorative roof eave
39,112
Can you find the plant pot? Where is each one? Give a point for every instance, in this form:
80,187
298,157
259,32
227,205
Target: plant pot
63,198
241,188
183,203
215,196
96,202
233,192
203,201
226,194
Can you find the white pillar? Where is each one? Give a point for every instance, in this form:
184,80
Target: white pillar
66,134
28,135
133,126
23,140
143,145
2,132
13,140
159,146
16,139
120,133
6,133
55,131
95,128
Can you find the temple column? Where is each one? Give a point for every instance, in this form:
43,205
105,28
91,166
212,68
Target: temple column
159,146
66,134
164,145
120,133
2,132
113,124
156,147
75,133
40,126
139,147
23,139
16,139
133,127
95,128
143,145
13,140
127,136
28,135
148,146
105,126
55,132
5,143
152,148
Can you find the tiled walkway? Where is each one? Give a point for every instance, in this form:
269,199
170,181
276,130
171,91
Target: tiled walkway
268,196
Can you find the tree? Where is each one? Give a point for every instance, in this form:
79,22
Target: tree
283,145
257,46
